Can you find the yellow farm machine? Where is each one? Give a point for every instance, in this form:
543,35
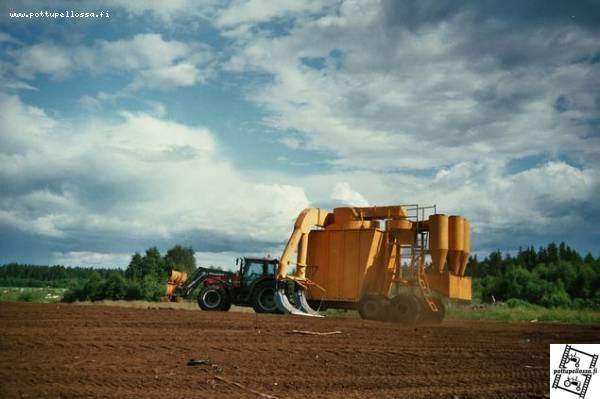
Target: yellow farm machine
390,263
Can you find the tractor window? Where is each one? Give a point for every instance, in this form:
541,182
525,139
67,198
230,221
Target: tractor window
254,270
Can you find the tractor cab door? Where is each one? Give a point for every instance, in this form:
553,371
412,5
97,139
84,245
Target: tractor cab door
254,270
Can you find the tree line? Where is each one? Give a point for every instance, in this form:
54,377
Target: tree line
144,278
551,276
24,275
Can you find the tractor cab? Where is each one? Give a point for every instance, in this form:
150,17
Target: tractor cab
256,283
252,270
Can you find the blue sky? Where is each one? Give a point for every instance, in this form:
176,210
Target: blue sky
212,124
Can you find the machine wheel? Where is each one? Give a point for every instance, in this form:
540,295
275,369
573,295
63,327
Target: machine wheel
373,307
433,317
214,298
567,383
263,298
405,309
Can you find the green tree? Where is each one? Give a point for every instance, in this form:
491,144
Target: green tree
180,258
135,269
93,289
153,263
589,258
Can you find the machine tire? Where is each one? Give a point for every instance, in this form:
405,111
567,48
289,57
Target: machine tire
213,298
263,298
428,316
405,309
373,307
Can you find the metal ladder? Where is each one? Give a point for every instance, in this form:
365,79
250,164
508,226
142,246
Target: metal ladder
423,286
420,249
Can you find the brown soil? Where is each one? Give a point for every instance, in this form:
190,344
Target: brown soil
93,351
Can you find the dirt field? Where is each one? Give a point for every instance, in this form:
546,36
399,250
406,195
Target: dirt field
93,351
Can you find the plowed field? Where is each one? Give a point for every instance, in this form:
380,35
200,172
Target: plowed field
75,351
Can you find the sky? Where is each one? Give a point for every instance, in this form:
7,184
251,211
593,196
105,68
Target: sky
211,124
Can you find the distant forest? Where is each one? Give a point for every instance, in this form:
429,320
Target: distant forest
21,275
144,278
551,276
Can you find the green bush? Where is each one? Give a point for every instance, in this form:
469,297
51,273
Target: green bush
152,290
93,288
115,287
555,297
76,292
133,290
25,296
71,295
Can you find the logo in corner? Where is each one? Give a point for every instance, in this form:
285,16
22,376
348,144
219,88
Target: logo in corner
572,368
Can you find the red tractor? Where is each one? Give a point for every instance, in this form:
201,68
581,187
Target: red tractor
252,285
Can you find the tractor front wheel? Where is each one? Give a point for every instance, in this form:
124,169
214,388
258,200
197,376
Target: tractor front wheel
263,298
213,298
405,309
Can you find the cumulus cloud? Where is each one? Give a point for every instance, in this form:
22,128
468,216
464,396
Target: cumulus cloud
155,62
139,178
240,12
343,193
385,92
47,58
22,125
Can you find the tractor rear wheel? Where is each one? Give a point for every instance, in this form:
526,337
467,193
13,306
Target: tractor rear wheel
213,298
405,309
263,298
373,307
